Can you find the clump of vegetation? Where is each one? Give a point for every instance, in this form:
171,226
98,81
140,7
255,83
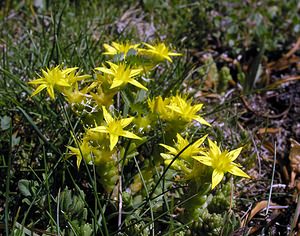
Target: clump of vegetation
111,98
107,129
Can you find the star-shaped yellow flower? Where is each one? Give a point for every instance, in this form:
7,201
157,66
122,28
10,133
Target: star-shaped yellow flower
186,110
221,162
115,128
122,75
182,143
176,108
74,77
184,162
53,78
159,105
118,48
159,51
75,95
83,151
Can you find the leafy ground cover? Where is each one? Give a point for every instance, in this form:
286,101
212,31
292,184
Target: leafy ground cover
240,60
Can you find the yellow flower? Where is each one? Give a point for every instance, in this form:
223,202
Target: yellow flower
73,77
53,78
221,162
182,143
184,162
84,151
176,108
115,128
122,74
118,48
159,105
159,51
74,95
186,110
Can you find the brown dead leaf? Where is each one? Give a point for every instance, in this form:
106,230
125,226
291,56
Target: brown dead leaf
294,158
295,48
269,146
269,130
270,220
258,207
283,63
286,60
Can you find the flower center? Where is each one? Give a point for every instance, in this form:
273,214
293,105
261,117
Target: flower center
114,127
221,162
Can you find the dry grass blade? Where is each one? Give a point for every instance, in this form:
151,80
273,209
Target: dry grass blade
283,81
272,180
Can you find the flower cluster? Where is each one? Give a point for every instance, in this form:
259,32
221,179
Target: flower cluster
186,153
183,151
57,78
118,115
176,107
159,51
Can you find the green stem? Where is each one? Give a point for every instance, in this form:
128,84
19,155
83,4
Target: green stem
8,182
93,182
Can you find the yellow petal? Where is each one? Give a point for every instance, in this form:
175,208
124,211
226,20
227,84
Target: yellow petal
178,165
169,148
181,140
113,140
175,108
107,117
50,91
116,83
126,121
217,176
137,84
149,46
232,155
168,58
82,77
128,134
77,153
100,129
45,73
109,49
201,120
166,156
74,151
200,141
69,70
135,72
38,81
39,89
197,107
63,83
203,159
214,148
105,70
116,45
237,171
115,67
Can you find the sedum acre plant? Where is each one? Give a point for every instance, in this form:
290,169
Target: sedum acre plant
221,162
115,128
136,141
